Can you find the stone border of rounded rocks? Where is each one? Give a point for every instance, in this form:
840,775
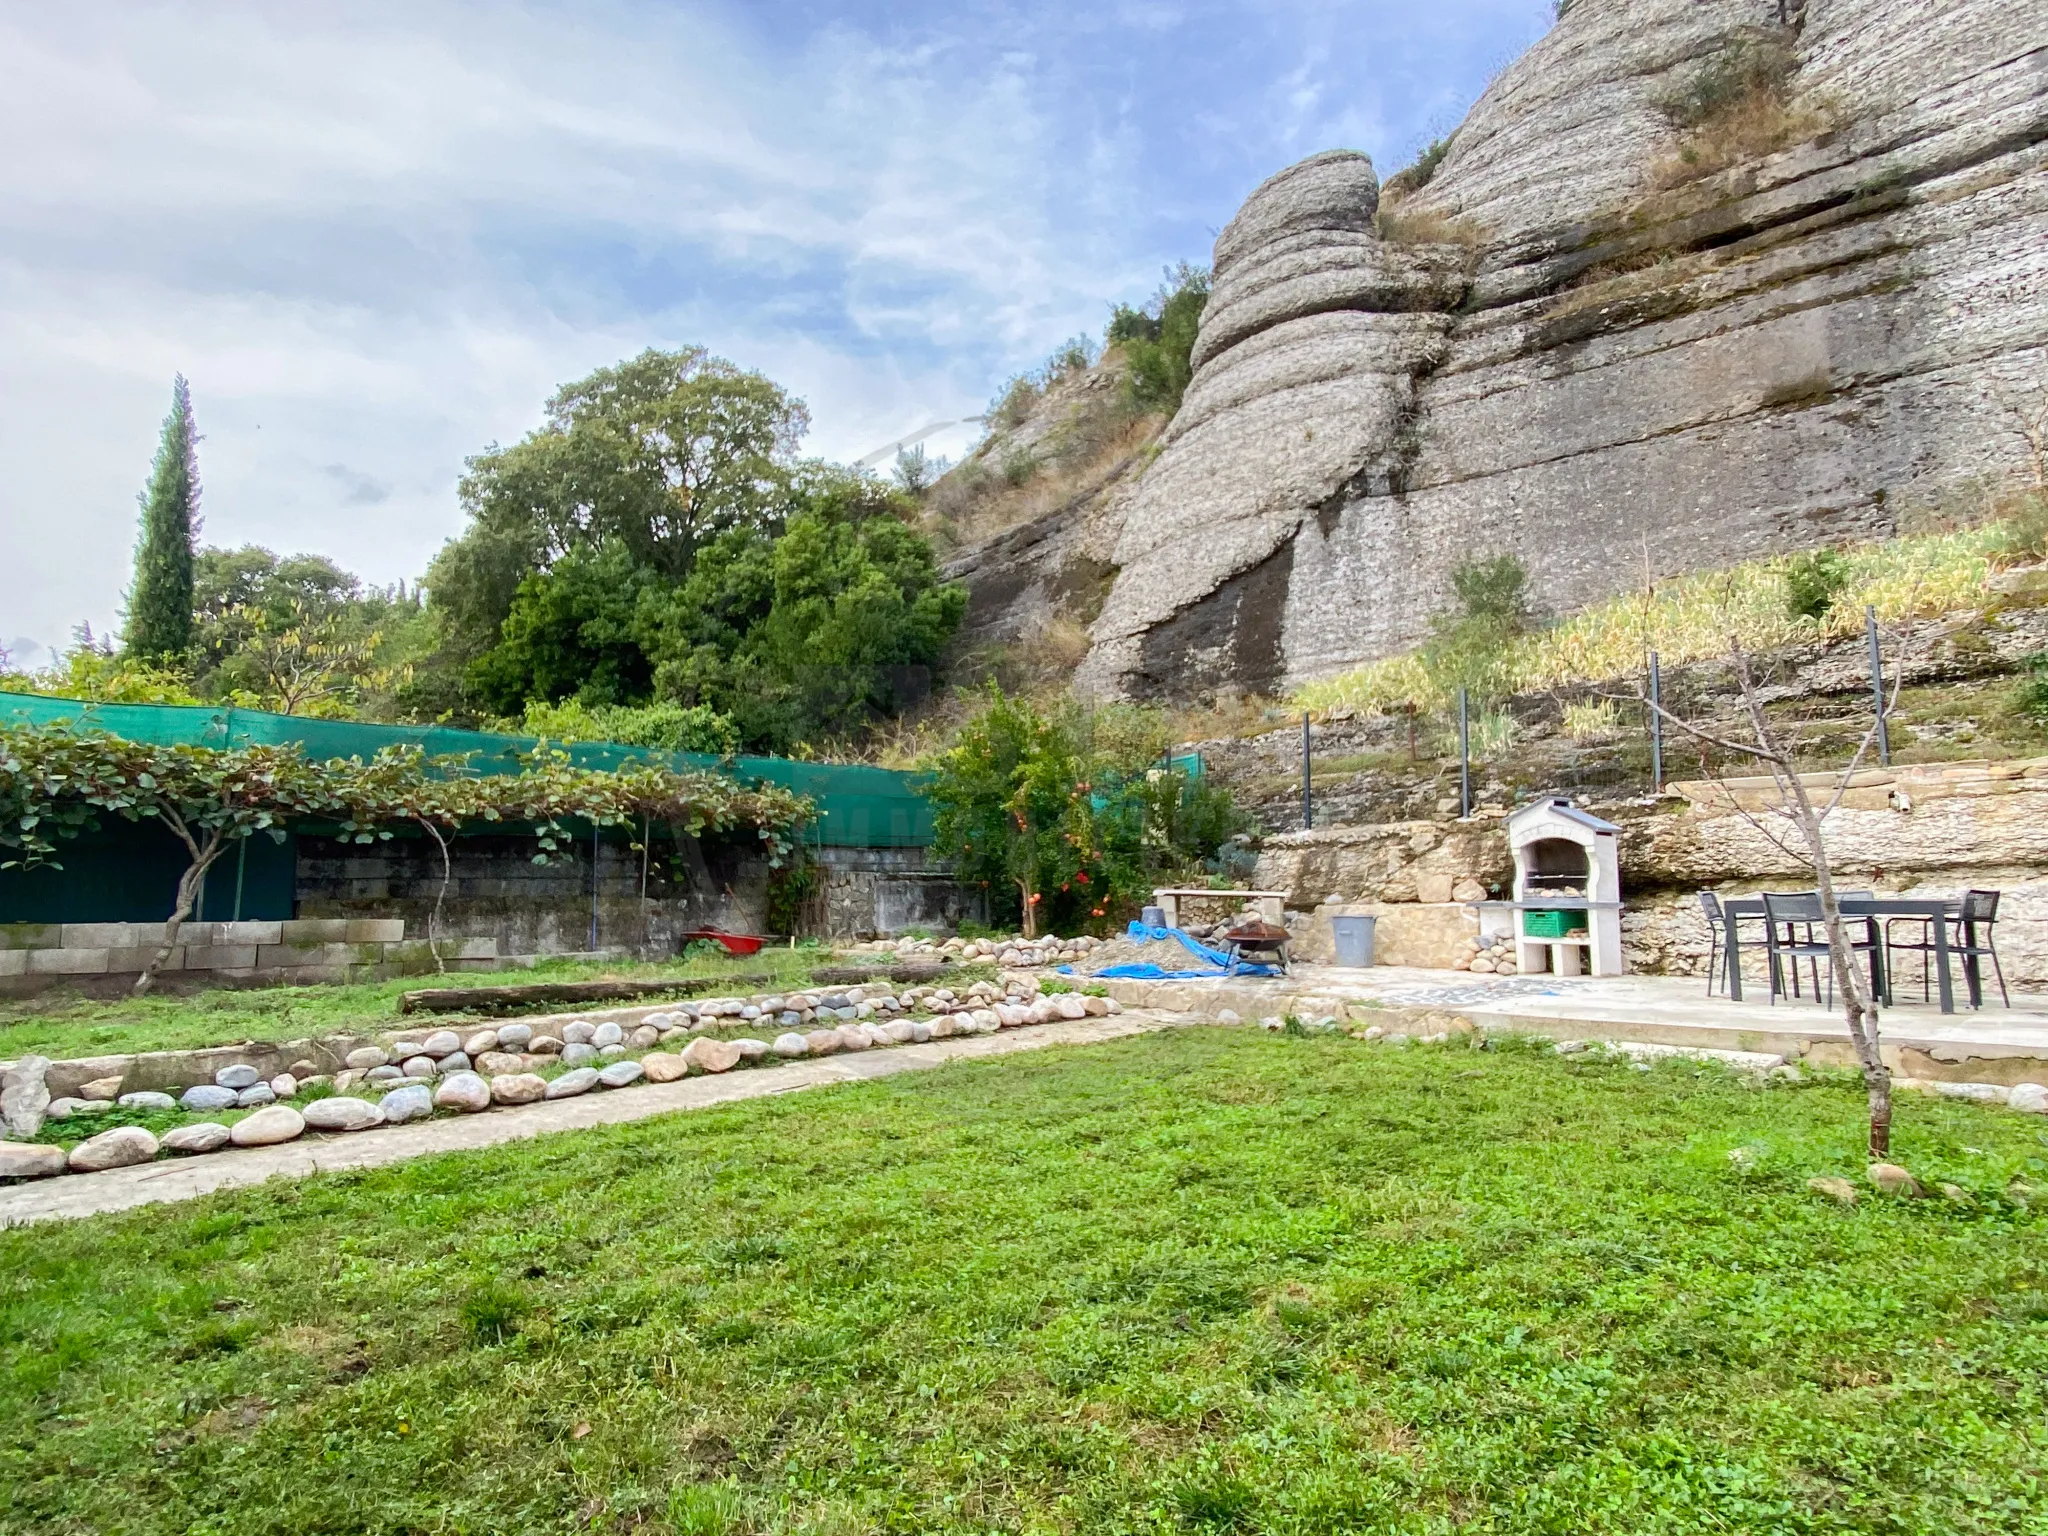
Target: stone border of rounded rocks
1011,953
416,1072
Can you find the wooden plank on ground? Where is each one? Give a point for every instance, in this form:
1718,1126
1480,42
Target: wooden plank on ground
536,994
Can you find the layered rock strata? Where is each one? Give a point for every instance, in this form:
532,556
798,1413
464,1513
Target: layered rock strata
1621,367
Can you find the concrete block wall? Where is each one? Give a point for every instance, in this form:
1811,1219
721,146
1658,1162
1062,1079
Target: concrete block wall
38,955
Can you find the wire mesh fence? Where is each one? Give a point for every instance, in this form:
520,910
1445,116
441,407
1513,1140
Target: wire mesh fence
1624,738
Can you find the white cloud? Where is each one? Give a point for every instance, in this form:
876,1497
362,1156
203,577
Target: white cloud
376,238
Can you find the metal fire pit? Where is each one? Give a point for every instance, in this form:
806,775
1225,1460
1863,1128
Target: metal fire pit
1257,940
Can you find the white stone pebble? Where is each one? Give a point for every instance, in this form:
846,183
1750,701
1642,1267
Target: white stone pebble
122,1147
205,1136
518,1088
464,1091
412,1102
341,1113
146,1099
570,1084
267,1127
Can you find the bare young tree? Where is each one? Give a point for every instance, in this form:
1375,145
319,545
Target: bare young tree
1800,817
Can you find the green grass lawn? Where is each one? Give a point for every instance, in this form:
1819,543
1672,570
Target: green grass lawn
1206,1280
64,1024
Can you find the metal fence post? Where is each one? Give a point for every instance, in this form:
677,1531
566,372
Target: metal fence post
1308,803
1884,738
1656,728
1464,754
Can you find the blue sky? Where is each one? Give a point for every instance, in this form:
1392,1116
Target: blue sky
376,237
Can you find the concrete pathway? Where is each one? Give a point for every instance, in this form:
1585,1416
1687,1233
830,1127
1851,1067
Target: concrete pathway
120,1189
1994,1044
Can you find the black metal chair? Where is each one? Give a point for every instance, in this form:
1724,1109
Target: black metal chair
1872,943
1969,939
1789,919
1716,919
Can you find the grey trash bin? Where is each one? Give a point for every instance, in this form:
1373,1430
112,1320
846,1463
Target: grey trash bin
1354,939
1153,917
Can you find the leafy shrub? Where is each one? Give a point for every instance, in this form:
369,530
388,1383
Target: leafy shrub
1158,341
1470,649
1065,814
1419,175
1749,66
1018,467
88,672
1075,355
2024,535
2030,698
1814,582
1494,589
1014,403
669,726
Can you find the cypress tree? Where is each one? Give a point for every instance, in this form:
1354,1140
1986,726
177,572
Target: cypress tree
160,603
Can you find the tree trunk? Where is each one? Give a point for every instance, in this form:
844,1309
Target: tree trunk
440,896
189,886
1859,1010
1030,913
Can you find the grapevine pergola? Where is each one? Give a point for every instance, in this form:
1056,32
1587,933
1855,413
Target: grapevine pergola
57,781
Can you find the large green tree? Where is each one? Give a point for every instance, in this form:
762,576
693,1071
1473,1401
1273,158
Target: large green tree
841,618
573,633
159,626
809,627
657,455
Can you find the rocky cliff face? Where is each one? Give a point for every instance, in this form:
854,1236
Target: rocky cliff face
1614,347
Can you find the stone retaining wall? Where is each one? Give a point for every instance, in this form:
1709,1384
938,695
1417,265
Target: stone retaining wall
33,955
1924,829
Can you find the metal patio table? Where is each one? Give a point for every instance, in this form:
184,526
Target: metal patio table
1938,912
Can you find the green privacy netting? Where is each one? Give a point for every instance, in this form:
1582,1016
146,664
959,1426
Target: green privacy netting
858,807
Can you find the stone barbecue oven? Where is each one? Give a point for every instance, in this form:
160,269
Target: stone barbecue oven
1566,914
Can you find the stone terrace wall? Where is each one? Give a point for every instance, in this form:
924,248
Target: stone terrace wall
1924,829
34,956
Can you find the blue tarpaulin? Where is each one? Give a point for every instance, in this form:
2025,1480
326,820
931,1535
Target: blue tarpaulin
1220,963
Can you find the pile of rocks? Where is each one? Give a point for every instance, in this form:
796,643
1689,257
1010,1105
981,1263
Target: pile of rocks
410,1074
1009,952
1489,954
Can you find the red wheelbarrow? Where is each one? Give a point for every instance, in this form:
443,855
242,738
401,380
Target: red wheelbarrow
735,943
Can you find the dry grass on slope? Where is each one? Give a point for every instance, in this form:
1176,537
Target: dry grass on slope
1690,619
